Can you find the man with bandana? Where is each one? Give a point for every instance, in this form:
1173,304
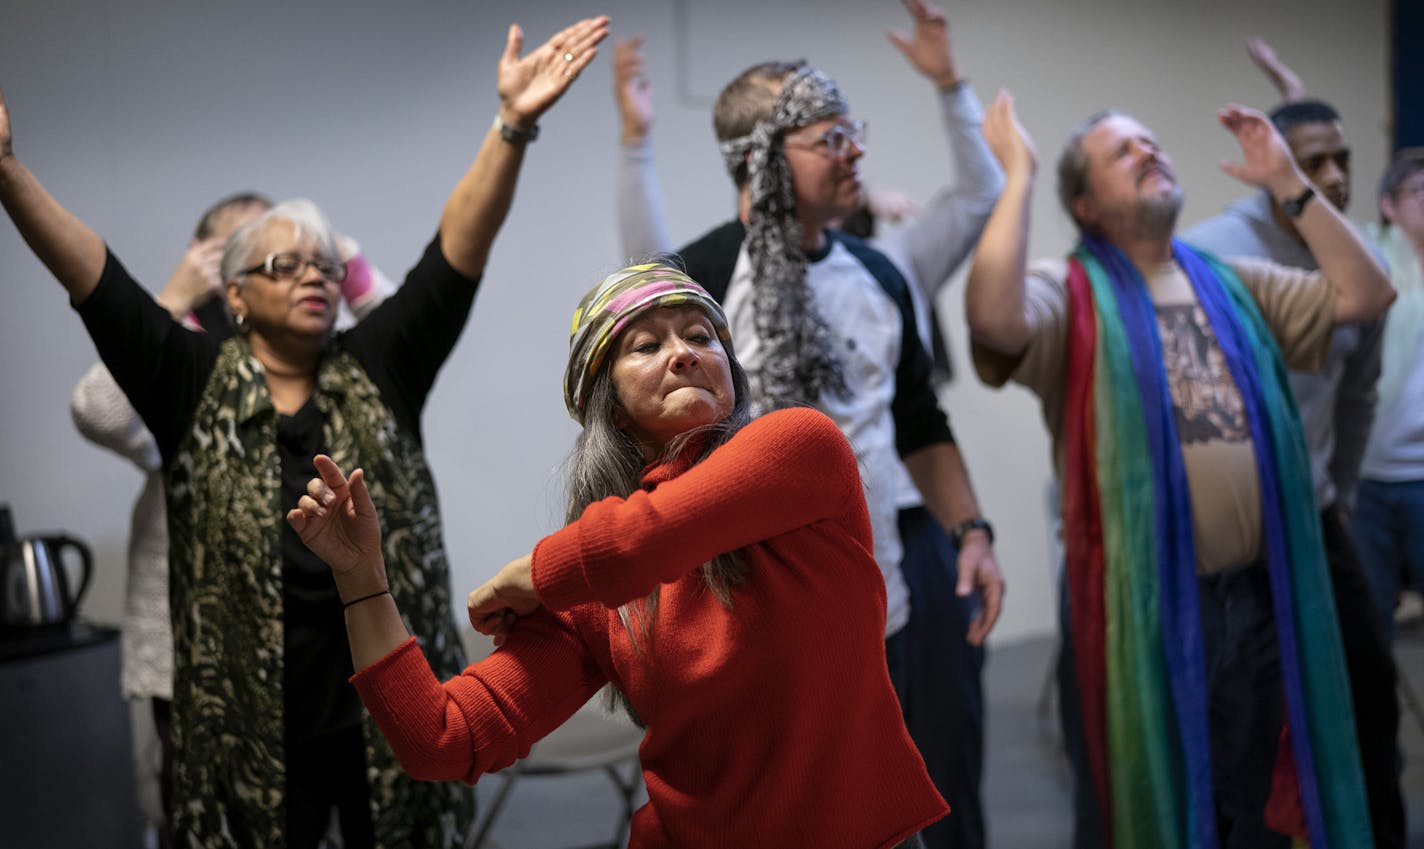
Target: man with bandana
1204,690
822,318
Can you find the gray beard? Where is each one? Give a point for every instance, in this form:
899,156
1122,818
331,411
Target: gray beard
1156,218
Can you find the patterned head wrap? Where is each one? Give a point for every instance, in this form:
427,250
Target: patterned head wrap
608,307
798,360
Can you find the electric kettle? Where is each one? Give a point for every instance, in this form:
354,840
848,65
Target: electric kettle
37,581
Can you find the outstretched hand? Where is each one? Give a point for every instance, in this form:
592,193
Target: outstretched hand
1286,81
337,520
529,85
928,49
1268,162
499,602
632,89
1006,137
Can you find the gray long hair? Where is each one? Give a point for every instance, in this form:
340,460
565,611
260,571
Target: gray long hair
606,461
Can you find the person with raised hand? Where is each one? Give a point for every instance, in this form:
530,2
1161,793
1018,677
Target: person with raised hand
268,736
104,416
828,319
1205,699
1337,411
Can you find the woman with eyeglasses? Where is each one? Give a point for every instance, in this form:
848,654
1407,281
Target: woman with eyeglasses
717,572
268,735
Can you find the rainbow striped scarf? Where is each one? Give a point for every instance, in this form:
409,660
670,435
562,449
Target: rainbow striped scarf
1132,567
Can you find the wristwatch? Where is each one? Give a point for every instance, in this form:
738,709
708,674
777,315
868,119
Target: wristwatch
515,135
1296,205
978,523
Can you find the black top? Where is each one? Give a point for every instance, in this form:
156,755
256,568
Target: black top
164,368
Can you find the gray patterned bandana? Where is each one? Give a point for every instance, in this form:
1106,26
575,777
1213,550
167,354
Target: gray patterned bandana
798,361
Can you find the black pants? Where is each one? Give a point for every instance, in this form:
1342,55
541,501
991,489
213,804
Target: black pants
163,726
1372,685
326,771
1372,682
1245,707
938,676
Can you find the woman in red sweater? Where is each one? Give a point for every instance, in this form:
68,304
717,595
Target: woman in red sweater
717,573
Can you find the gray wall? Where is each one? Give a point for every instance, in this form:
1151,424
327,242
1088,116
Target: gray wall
137,115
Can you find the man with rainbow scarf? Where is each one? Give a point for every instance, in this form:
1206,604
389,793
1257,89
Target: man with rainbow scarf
1206,701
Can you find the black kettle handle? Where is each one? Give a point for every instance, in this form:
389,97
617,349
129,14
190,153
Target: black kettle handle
71,602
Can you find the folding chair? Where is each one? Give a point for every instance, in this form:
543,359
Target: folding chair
590,739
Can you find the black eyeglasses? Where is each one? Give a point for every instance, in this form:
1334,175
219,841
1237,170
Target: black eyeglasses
837,140
289,266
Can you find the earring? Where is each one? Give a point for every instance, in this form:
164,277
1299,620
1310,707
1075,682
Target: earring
241,320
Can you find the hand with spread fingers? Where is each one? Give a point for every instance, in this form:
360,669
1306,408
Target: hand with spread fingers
337,520
1006,137
928,48
1268,162
530,84
632,89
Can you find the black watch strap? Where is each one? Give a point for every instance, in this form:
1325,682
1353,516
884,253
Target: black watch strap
1296,205
513,134
978,523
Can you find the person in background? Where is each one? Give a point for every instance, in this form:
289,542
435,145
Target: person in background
823,318
1337,407
268,736
105,417
927,243
1202,681
716,571
1388,523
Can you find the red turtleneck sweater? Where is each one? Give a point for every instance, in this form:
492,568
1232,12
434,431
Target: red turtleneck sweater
772,723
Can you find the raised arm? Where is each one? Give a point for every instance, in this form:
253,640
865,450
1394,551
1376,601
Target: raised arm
100,409
642,219
528,86
1286,81
994,295
1362,287
68,248
937,240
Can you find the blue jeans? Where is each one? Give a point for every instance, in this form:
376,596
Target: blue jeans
1245,704
1388,528
936,674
